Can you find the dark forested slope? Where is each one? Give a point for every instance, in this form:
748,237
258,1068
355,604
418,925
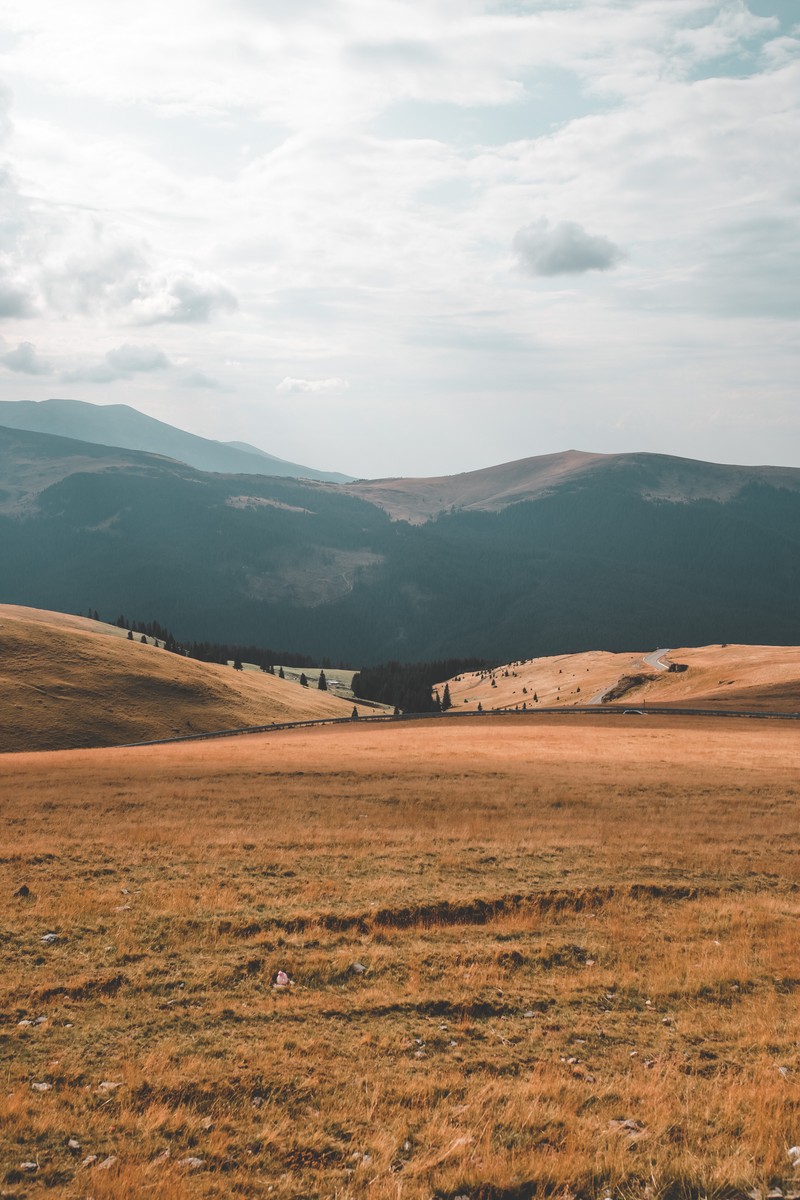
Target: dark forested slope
596,561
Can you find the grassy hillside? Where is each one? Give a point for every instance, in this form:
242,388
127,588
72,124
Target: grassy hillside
721,676
531,958
67,682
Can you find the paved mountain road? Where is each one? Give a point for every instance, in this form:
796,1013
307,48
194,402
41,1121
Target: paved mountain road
649,660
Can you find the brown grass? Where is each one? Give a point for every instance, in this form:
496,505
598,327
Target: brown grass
69,682
753,678
564,926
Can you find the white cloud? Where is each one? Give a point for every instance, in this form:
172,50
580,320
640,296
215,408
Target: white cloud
198,379
129,359
27,360
123,362
14,301
184,299
394,148
312,385
563,249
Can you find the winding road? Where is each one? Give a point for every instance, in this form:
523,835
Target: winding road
649,660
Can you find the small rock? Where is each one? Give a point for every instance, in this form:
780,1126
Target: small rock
107,1163
784,1071
121,907
108,1086
282,980
194,1164
41,1087
89,1161
529,1013
125,891
73,1144
23,1023
48,938
794,1155
40,1021
590,962
29,1166
357,968
420,1054
667,1021
207,1124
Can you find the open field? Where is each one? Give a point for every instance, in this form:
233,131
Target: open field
579,945
722,676
69,682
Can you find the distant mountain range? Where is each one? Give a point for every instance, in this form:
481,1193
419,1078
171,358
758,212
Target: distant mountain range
547,555
120,425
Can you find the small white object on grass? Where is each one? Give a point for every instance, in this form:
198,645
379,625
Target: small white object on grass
282,980
48,938
794,1155
107,1163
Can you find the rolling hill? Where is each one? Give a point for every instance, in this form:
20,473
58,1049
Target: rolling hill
67,682
540,557
653,477
724,677
120,425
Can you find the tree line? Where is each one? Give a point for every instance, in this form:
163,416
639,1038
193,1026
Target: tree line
410,686
213,652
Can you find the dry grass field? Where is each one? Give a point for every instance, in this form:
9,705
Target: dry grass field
538,956
68,682
724,677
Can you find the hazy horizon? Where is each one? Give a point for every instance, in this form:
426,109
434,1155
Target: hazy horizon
405,239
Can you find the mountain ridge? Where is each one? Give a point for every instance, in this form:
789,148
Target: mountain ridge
120,425
611,554
490,489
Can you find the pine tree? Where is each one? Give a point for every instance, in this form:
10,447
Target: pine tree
281,674
446,701
354,714
303,680
130,635
237,664
323,683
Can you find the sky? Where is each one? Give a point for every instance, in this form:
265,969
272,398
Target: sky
409,237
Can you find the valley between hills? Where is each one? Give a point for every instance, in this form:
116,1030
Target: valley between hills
548,952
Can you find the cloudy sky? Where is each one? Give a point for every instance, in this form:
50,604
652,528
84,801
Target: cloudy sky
409,236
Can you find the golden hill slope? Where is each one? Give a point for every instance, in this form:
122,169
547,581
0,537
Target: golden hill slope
69,682
724,677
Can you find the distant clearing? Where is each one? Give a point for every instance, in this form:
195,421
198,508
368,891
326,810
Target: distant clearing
531,958
68,682
725,677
